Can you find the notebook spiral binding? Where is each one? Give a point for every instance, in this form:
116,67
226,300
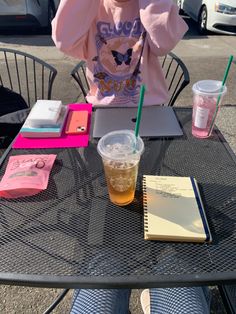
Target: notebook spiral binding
145,214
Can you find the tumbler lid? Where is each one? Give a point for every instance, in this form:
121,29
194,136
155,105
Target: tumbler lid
209,87
120,145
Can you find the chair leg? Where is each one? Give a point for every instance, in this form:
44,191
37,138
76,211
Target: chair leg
228,294
57,301
6,152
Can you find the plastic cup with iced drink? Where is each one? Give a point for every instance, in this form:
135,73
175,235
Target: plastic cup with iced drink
120,152
207,97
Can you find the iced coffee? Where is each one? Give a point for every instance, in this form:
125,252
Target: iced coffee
121,151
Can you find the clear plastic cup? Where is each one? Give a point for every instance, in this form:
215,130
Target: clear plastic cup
206,95
120,152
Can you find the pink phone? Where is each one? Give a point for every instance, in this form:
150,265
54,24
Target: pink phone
77,122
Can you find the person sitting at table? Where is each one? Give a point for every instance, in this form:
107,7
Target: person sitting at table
120,40
191,300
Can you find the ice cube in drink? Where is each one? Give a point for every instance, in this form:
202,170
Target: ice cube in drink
121,180
120,152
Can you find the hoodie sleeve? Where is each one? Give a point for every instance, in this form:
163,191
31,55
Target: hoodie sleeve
71,25
163,24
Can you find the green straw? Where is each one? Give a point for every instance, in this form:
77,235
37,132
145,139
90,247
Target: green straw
218,99
140,107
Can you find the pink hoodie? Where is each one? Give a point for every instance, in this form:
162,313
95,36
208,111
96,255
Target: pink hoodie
120,42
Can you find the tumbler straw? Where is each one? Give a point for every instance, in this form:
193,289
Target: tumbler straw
140,107
218,99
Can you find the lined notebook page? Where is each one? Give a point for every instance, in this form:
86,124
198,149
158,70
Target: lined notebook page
173,210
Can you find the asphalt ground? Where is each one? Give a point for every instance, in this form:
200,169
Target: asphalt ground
205,60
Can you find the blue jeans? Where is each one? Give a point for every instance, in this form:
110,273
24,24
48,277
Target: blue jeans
193,300
100,301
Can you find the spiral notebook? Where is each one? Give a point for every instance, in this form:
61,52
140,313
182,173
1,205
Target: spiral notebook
173,210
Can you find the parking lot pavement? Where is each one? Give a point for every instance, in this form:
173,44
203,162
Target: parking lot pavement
26,300
212,47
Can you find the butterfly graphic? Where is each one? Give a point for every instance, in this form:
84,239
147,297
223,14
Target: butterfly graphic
120,58
100,75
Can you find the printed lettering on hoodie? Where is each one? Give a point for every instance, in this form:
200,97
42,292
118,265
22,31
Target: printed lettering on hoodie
117,63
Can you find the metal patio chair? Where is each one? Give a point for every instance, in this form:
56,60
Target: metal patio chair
33,79
228,294
79,74
176,75
26,74
175,72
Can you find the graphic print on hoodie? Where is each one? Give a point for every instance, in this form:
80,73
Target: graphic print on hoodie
117,63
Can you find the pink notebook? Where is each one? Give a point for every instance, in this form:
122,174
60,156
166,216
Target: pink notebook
65,140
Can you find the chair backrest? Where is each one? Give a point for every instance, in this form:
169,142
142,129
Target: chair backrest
176,75
175,72
27,75
79,74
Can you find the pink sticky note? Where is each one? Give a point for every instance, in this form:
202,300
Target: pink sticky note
66,140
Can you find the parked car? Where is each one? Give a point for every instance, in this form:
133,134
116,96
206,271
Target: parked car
212,15
27,13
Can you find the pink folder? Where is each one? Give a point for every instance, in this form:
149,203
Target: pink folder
65,140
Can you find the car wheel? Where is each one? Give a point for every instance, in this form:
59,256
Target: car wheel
51,14
179,4
202,21
51,11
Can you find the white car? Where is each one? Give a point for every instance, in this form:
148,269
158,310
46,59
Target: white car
27,13
212,15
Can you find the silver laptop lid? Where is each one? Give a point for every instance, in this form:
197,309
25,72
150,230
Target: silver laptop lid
156,121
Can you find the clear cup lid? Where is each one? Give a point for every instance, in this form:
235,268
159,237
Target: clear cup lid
120,145
209,87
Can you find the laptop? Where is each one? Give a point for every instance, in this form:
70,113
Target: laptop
156,121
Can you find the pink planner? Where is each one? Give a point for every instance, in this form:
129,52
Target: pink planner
65,140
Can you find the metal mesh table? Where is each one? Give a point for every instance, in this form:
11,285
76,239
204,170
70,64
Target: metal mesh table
71,235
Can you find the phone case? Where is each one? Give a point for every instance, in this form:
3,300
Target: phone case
77,122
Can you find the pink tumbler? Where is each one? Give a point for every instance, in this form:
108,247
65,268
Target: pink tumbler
207,97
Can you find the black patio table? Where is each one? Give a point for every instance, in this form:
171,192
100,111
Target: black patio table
71,236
